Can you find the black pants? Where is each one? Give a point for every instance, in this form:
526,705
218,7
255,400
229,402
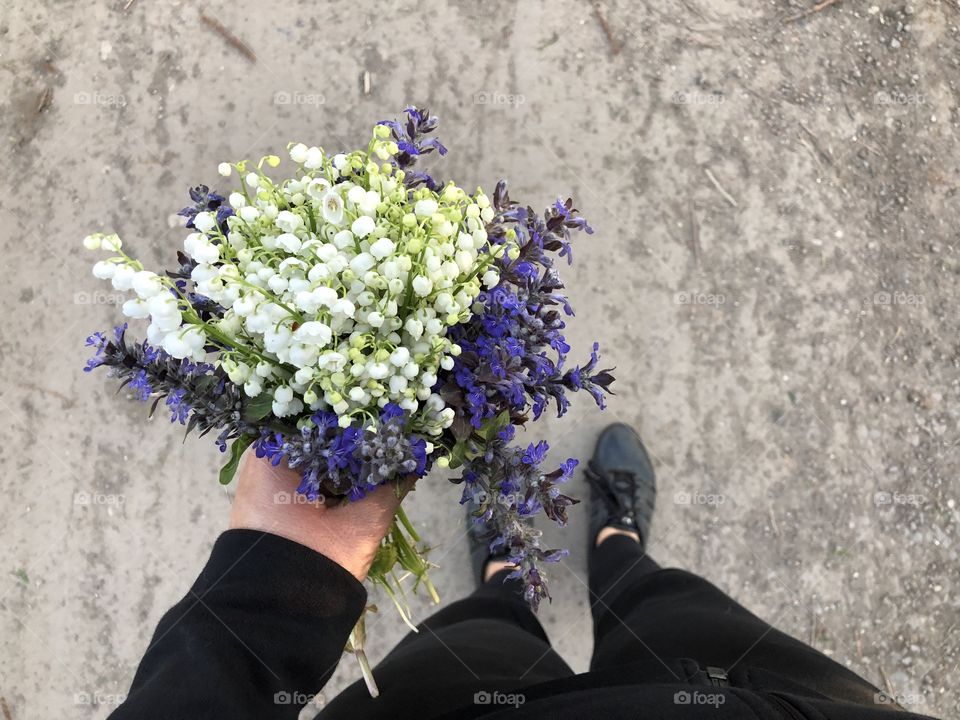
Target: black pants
651,625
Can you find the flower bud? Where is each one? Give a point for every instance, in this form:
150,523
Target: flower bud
298,153
313,158
253,387
104,270
378,370
363,226
239,373
491,278
422,285
111,243
136,308
426,207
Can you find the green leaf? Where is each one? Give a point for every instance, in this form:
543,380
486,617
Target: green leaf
460,453
457,455
258,408
384,560
236,451
463,451
494,425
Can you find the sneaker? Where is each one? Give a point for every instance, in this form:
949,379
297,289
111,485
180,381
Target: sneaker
623,487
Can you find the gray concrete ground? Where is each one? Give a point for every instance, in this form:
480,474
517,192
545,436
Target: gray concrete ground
774,274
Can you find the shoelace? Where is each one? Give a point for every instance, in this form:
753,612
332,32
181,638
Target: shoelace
617,490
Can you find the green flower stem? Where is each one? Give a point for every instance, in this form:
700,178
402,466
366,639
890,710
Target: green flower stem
273,298
385,582
409,557
210,330
356,645
407,525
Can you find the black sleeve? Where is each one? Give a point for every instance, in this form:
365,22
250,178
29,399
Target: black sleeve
260,631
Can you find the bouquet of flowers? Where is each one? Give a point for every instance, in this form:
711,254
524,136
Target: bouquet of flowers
362,321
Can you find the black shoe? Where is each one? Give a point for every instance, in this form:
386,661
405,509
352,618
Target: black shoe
623,487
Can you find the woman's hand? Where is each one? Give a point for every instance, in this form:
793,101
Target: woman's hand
349,533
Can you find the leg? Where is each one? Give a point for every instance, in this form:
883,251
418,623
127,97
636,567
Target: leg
642,612
489,641
649,612
631,598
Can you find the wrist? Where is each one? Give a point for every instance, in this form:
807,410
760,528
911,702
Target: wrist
355,558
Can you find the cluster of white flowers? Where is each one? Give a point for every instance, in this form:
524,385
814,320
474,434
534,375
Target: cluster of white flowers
153,299
338,285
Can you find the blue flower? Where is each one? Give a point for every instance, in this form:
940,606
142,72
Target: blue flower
309,485
419,447
270,446
526,269
413,141
178,406
566,469
390,412
99,342
141,386
534,454
96,340
342,451
325,421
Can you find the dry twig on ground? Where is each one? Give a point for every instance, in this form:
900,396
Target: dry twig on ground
716,184
605,26
229,36
815,9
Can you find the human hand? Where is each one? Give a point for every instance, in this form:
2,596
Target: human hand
348,533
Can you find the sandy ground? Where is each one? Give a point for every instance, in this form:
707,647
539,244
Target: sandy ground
774,274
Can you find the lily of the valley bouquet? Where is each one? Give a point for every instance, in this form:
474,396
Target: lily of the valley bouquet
362,322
